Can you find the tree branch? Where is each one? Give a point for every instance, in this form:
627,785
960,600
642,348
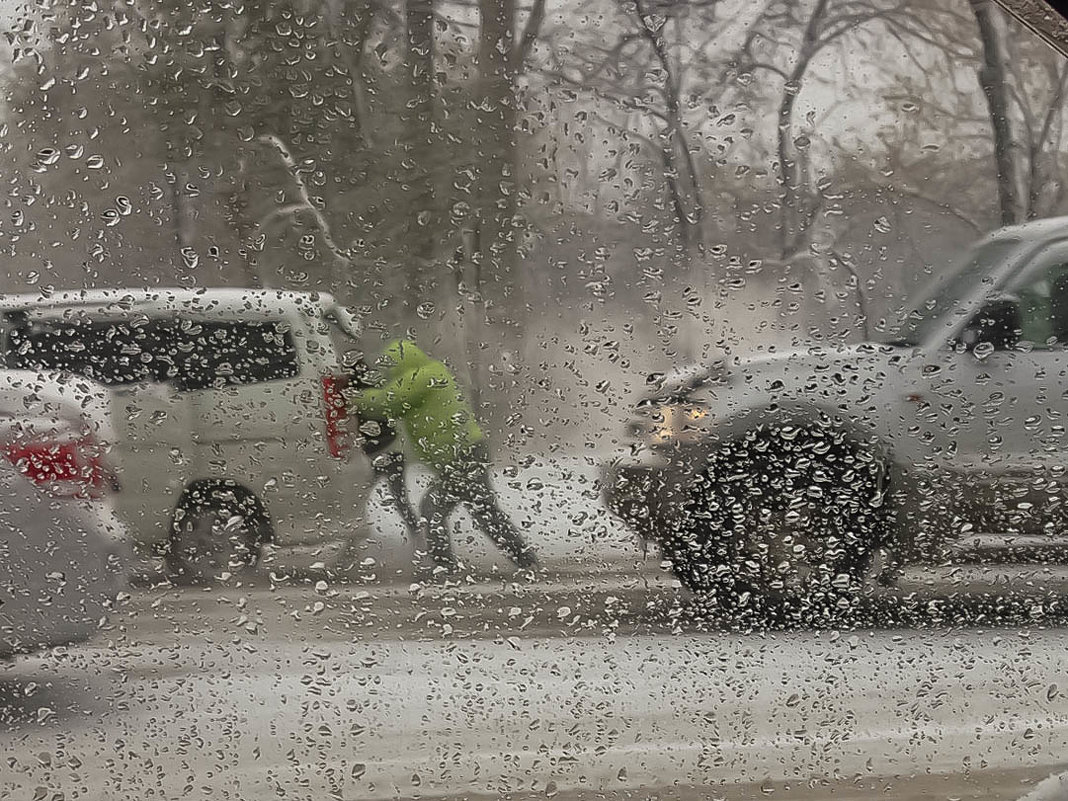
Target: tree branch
530,35
941,204
305,199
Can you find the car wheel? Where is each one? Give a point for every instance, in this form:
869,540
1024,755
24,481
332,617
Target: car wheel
783,523
216,531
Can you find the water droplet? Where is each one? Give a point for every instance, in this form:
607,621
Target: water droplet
47,155
654,22
190,258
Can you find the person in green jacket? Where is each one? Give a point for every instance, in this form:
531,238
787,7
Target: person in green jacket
422,394
377,438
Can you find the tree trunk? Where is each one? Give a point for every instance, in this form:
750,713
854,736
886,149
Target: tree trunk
790,177
992,78
684,182
182,216
422,223
493,269
1043,177
495,141
351,29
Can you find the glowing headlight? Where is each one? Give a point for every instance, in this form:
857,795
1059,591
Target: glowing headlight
677,422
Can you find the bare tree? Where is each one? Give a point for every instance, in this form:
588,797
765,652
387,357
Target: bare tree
676,150
422,224
784,41
495,137
993,77
1018,118
1037,82
647,67
305,205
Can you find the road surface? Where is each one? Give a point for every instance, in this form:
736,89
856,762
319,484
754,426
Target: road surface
606,685
602,680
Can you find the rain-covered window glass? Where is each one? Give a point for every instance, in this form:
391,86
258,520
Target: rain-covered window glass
109,351
1043,298
586,400
974,275
345,335
214,354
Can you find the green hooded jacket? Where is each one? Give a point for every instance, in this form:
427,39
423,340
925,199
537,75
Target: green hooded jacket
423,394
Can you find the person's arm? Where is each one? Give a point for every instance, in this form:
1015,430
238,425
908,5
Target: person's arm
394,398
360,376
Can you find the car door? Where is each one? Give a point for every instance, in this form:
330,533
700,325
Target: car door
1004,412
153,420
257,416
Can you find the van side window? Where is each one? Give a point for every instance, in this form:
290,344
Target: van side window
112,352
227,353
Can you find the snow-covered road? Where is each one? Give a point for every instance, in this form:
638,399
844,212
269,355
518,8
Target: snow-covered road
490,689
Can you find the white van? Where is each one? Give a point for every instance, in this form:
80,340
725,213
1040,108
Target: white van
230,433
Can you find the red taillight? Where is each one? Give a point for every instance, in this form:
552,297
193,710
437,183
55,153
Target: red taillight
337,438
66,468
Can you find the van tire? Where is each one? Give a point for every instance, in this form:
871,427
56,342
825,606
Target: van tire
217,529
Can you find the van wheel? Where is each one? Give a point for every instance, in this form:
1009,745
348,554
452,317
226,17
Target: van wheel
216,530
783,524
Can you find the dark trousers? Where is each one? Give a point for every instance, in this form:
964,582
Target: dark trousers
389,467
467,481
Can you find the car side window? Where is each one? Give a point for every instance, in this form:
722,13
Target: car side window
220,353
1043,297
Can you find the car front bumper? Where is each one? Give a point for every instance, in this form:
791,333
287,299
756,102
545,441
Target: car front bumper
649,495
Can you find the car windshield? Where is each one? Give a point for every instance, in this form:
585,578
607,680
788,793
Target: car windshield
508,400
947,295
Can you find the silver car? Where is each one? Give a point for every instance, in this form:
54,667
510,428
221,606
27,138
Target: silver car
62,551
933,456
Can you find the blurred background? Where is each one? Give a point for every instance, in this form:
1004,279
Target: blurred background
589,186
566,202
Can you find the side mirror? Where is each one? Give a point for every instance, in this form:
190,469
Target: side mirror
996,326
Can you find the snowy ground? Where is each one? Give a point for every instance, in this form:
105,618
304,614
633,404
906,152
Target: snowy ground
554,499
490,690
601,681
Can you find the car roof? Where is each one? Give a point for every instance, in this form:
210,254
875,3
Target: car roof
237,301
